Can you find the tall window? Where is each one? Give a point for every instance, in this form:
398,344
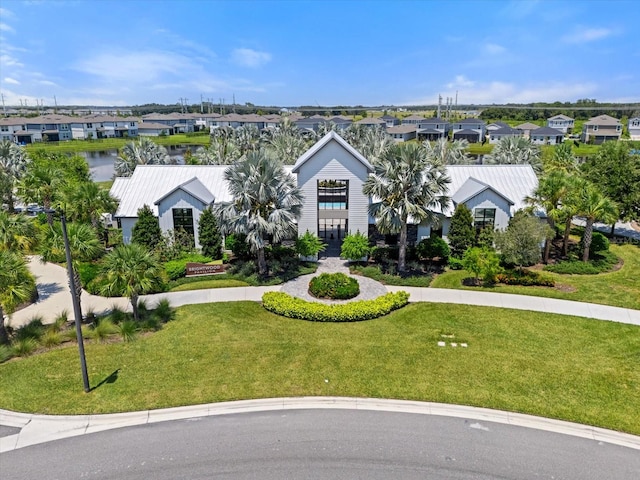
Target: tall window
183,220
333,194
484,217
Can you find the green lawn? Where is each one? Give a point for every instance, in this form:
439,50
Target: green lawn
210,283
76,146
620,288
556,366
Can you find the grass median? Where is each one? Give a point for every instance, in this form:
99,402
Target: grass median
555,366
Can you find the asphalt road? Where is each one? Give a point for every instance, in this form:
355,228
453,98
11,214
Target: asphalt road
331,444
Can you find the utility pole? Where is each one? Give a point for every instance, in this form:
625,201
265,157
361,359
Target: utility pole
201,105
55,102
4,109
234,103
439,105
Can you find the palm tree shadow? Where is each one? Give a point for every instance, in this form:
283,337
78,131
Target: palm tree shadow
45,290
110,379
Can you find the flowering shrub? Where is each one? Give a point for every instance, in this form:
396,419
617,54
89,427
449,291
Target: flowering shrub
282,304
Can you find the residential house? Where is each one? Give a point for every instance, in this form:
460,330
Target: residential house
470,129
492,127
179,122
310,124
634,128
402,133
412,120
547,136
390,120
372,122
526,128
561,122
331,175
9,126
432,129
153,129
600,129
496,135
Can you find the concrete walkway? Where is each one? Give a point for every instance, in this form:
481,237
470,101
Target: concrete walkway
55,297
35,429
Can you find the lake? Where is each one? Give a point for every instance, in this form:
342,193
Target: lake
102,164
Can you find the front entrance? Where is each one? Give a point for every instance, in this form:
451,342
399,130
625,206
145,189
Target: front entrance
332,231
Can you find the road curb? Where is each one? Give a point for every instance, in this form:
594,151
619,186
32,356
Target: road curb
36,429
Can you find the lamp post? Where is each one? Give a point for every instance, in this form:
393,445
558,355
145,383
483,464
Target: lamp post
77,312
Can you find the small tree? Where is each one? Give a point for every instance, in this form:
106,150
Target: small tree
486,238
521,243
355,246
433,247
209,235
482,262
146,231
461,233
309,245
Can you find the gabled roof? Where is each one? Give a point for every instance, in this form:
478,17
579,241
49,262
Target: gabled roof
527,126
498,125
604,120
193,187
507,131
371,121
389,117
472,187
547,131
402,128
331,136
118,187
512,182
153,126
466,121
560,117
413,117
466,131
433,120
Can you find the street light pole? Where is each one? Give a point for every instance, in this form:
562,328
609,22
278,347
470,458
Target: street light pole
77,312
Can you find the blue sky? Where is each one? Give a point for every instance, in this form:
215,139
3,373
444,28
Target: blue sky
290,53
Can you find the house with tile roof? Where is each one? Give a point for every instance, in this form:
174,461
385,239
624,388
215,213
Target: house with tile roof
331,175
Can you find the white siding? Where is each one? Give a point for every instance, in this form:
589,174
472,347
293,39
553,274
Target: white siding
489,199
179,199
333,162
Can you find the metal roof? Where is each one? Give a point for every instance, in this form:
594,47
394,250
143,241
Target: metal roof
193,187
472,187
324,141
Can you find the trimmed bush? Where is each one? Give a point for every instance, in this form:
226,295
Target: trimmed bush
525,278
282,304
336,286
599,243
177,268
433,247
407,280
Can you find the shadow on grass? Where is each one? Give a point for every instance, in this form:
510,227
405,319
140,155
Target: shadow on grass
110,379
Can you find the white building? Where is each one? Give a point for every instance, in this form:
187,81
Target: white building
330,174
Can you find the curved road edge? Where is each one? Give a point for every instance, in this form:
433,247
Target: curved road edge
37,429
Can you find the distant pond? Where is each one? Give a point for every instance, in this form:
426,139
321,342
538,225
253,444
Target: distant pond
102,164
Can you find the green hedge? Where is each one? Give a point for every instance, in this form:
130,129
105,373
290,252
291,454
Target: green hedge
178,268
288,306
337,286
601,262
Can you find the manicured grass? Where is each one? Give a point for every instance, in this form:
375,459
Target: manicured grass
479,149
620,288
211,283
556,366
105,185
76,146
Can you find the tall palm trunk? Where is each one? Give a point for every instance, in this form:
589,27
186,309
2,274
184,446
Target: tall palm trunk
588,235
402,253
262,262
4,335
547,242
565,237
134,305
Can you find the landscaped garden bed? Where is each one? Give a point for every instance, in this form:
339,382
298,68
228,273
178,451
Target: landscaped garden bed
334,286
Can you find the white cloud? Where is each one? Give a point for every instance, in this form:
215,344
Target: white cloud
9,61
6,28
247,57
499,92
6,13
587,35
11,81
494,49
48,83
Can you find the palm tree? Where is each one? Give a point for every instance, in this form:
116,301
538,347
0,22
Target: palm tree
589,202
515,151
17,232
247,138
407,186
267,202
16,286
83,245
130,270
86,202
13,163
41,184
286,147
549,195
561,159
141,152
449,153
371,142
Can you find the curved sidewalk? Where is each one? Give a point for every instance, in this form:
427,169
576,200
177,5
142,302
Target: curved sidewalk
37,429
55,297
